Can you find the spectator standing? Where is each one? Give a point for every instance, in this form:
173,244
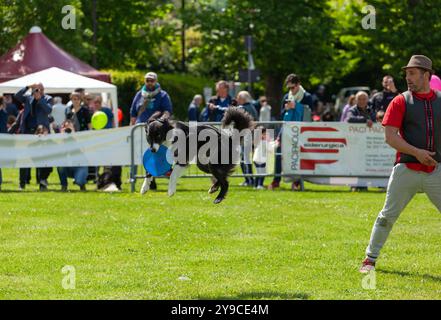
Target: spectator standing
82,93
361,113
216,107
58,111
114,172
244,102
260,157
79,113
37,108
382,99
349,105
98,106
293,104
193,108
265,110
43,173
150,101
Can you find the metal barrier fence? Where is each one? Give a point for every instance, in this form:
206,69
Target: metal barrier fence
193,171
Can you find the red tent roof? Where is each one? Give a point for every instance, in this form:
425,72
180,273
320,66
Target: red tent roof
36,52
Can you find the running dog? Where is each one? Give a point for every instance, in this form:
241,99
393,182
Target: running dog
218,164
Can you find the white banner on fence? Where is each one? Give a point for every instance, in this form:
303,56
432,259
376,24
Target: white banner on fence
335,149
87,148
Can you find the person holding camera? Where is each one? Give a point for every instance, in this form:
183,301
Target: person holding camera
37,108
79,174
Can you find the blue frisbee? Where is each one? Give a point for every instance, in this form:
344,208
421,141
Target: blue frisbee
156,163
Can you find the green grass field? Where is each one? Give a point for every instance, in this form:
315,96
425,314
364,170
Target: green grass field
255,245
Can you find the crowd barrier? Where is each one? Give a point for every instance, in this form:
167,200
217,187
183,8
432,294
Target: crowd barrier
331,153
321,152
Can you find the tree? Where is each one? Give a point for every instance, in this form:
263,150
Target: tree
19,16
402,28
289,37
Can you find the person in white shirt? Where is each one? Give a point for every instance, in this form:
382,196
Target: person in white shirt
58,111
260,156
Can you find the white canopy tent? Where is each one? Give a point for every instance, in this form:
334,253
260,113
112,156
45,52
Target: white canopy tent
56,80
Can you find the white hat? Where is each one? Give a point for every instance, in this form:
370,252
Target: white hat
151,75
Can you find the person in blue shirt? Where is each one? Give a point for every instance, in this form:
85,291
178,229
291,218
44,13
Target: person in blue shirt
293,109
98,106
150,100
216,107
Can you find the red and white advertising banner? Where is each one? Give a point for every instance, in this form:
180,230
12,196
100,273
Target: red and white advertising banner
335,149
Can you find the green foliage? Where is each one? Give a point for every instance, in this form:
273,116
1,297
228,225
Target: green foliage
403,28
323,40
289,36
180,87
19,16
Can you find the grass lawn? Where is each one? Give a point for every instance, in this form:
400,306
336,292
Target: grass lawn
255,245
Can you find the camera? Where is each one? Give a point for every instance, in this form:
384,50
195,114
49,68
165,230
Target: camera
68,130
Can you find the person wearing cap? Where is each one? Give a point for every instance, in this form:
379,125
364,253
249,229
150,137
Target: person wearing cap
413,127
150,101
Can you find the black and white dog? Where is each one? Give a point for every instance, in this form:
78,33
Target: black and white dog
214,162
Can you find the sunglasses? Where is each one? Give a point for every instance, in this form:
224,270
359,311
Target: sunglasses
150,80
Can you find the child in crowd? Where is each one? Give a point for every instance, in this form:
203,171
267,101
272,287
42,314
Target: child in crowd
260,157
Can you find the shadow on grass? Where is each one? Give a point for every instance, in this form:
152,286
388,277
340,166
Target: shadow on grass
411,274
261,295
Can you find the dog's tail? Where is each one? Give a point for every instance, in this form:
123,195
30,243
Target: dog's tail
239,118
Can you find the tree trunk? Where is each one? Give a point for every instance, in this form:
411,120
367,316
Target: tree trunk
274,93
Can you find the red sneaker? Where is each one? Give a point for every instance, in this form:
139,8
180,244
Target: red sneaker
274,185
295,186
367,266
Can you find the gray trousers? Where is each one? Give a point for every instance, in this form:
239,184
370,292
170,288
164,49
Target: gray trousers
403,184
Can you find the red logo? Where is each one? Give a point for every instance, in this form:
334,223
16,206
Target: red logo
320,145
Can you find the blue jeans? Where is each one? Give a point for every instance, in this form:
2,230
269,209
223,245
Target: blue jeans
78,173
1,178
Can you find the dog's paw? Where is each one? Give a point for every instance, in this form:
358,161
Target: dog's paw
213,189
145,186
218,200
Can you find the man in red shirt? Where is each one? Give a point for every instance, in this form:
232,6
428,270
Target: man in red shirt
413,127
